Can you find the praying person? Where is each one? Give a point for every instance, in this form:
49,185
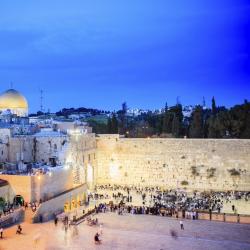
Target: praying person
182,225
1,232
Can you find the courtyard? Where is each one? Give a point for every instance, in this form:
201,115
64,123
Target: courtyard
130,232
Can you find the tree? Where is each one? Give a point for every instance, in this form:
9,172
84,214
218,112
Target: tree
196,126
176,127
114,124
109,126
166,120
123,119
214,108
177,120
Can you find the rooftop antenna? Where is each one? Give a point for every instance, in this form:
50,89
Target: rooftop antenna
41,100
178,100
11,85
204,102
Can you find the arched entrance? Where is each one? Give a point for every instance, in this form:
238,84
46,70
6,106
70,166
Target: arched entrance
18,201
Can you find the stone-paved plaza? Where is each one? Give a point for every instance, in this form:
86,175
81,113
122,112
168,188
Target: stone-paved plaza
131,232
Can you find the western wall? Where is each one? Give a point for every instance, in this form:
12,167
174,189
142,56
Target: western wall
191,164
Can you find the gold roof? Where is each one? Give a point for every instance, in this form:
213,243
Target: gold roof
12,99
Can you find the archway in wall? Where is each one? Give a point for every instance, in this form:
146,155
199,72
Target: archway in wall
18,200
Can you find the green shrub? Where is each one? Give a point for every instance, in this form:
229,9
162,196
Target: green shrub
184,183
234,172
211,172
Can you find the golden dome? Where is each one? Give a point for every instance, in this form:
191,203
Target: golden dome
14,101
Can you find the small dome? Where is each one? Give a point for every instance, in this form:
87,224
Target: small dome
14,101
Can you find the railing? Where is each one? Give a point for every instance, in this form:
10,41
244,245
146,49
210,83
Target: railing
221,217
12,218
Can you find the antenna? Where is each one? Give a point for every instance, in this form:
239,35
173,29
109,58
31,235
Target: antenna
11,85
178,100
41,100
204,102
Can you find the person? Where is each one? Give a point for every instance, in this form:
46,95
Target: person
173,234
41,219
56,221
1,232
19,230
182,225
97,239
66,220
96,221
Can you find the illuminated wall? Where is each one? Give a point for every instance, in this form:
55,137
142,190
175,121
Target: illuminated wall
80,156
174,163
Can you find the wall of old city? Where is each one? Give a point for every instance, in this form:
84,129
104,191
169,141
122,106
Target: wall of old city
193,164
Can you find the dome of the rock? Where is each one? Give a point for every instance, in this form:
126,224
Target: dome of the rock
15,102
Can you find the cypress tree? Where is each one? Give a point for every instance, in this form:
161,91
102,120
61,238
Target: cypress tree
196,126
109,126
114,124
214,108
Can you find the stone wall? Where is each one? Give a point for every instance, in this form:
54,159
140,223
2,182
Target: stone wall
47,186
4,142
75,152
193,164
34,188
19,185
56,205
7,193
81,156
49,147
20,148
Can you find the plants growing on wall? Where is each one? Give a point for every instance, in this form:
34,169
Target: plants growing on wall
194,171
211,172
184,183
234,172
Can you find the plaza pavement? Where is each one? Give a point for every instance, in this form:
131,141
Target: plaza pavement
131,232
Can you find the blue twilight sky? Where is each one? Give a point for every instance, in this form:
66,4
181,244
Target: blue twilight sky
146,52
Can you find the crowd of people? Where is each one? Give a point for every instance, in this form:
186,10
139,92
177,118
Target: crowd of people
154,200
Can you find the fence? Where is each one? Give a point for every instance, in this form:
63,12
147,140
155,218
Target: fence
222,217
